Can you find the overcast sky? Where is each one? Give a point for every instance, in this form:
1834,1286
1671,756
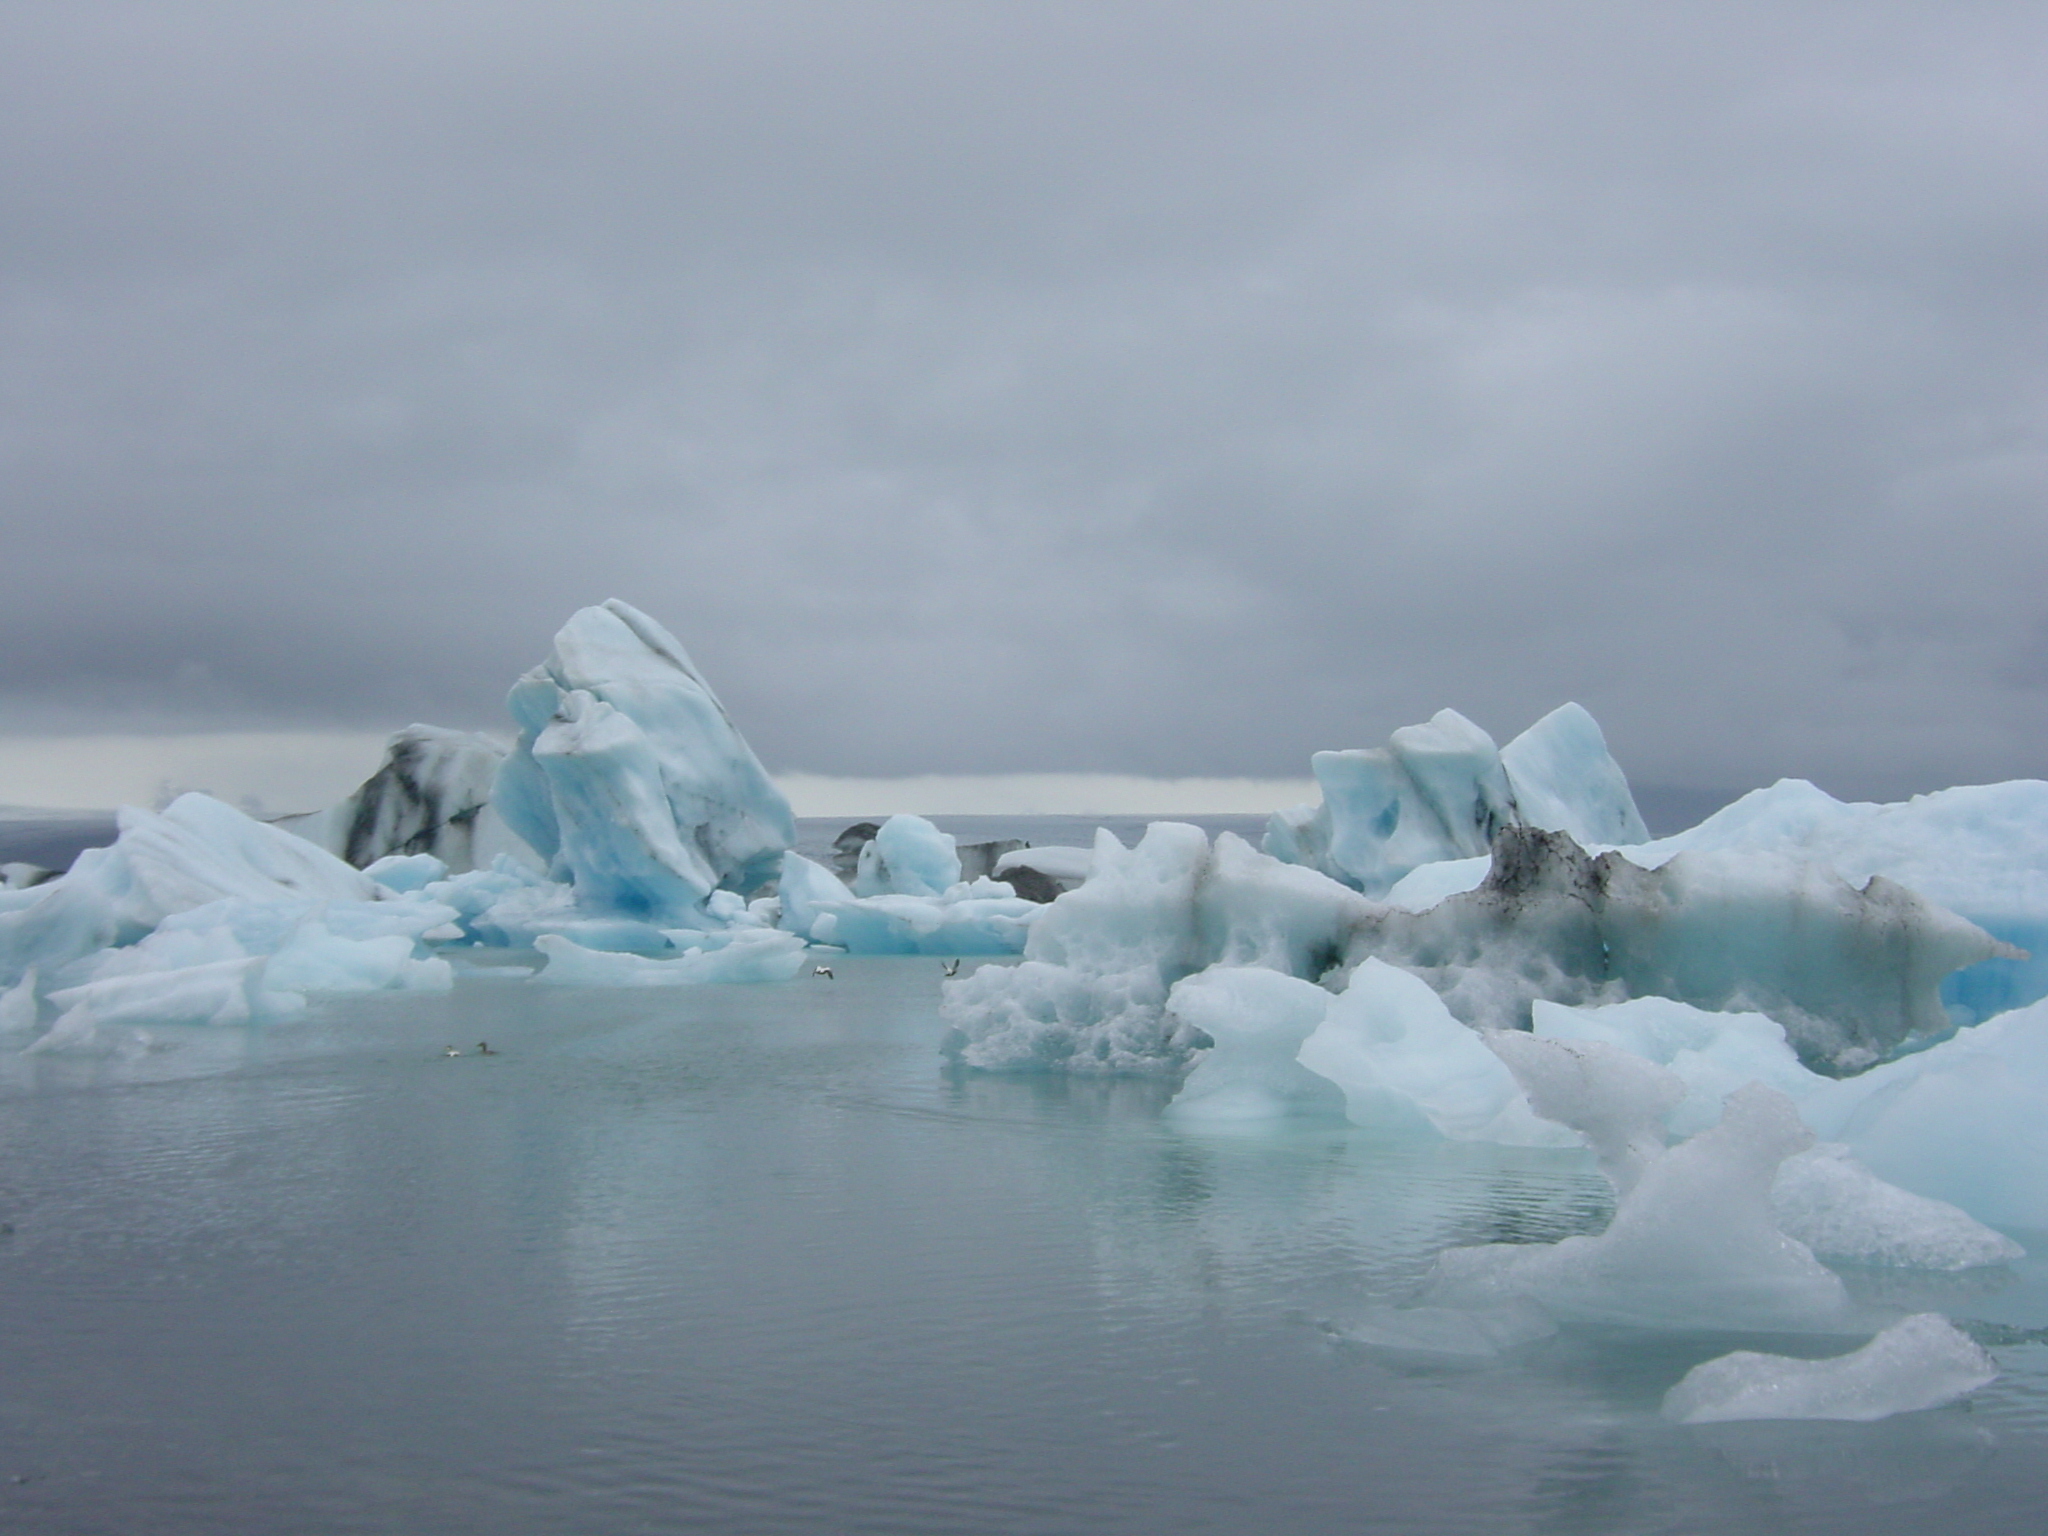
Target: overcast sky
1116,387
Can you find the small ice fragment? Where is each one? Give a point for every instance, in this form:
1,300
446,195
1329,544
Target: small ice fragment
1921,1362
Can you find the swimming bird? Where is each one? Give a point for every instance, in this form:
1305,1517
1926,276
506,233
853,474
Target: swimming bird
952,967
822,970
451,1051
483,1049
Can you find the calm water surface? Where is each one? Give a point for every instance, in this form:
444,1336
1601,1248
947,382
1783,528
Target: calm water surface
749,1259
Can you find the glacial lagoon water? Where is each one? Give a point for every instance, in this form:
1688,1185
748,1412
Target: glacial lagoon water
752,1259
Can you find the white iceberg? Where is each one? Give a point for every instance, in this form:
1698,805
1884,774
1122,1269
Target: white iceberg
1256,1021
1405,1064
907,856
1913,1144
1920,1362
908,912
1693,1241
1090,994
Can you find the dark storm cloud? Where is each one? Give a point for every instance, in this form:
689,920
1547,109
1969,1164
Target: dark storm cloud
1165,388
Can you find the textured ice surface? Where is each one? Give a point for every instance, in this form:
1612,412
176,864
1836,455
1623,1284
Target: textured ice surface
1615,1100
1920,1362
1442,791
976,917
1257,1020
1828,1200
630,780
1851,973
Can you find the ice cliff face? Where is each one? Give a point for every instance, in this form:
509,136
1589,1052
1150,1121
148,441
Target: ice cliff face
1443,791
630,780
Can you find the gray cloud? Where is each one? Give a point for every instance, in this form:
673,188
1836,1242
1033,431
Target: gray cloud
1169,388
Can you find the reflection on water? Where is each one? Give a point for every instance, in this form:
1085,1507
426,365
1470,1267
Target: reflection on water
755,1259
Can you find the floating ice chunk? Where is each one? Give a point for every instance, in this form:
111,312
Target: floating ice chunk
1920,1362
750,955
629,777
195,852
1405,1064
1841,1210
1257,1020
1851,973
430,795
1615,1100
214,992
317,960
982,918
1694,1243
1957,1123
807,890
1435,791
76,1033
908,856
1565,780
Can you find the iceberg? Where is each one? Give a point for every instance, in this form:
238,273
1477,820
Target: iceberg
430,796
1850,974
907,856
907,909
1405,1064
1920,1362
194,852
1090,993
1694,1236
1257,1021
1443,791
1909,1147
630,780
